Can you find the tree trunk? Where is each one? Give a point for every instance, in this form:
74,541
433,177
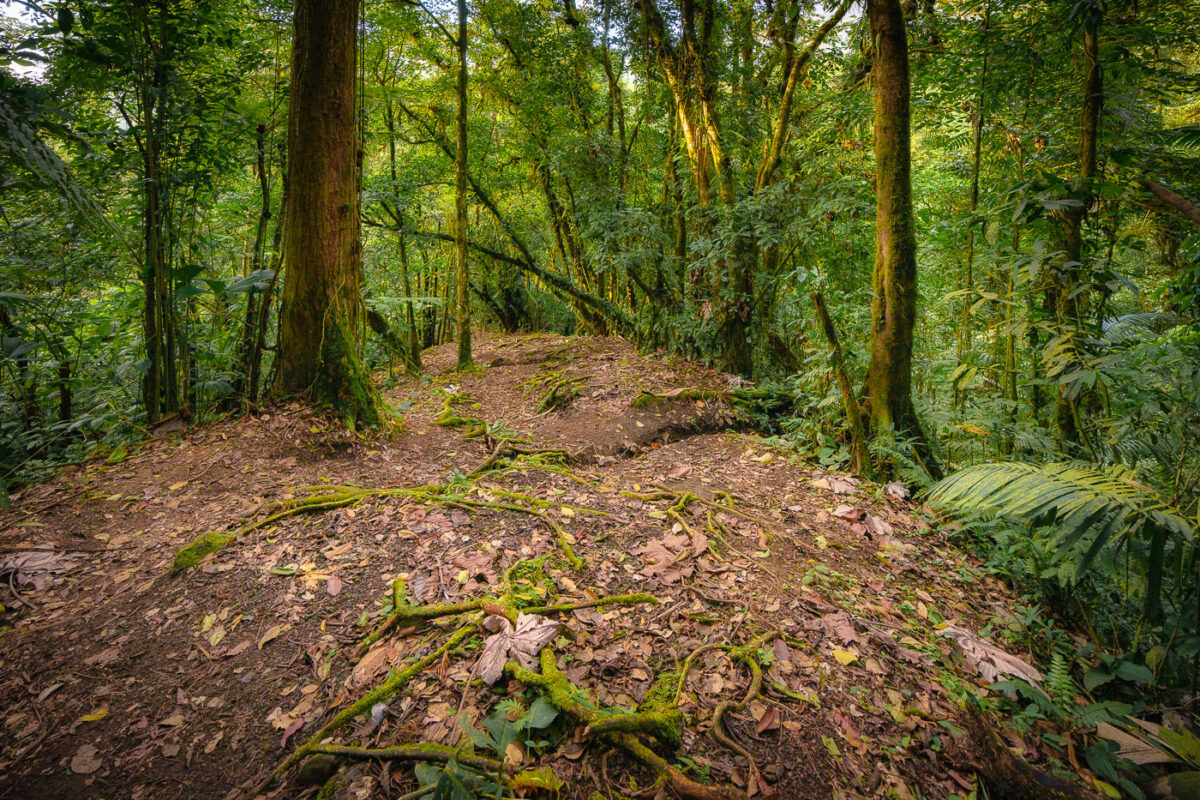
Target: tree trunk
1066,303
894,305
322,309
965,331
462,296
254,304
854,415
414,346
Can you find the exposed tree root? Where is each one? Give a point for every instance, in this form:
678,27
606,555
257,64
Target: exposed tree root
384,691
754,407
665,725
420,751
509,452
747,654
472,427
561,393
571,700
1005,775
318,499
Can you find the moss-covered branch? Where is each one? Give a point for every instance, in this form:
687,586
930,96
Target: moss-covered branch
384,691
419,751
571,700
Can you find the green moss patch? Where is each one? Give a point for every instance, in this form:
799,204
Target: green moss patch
206,544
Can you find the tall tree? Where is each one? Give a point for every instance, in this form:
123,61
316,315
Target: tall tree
894,280
319,321
462,300
1065,297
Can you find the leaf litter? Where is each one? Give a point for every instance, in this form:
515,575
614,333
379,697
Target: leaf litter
855,665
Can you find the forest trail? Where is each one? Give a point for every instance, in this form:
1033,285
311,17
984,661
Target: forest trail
125,681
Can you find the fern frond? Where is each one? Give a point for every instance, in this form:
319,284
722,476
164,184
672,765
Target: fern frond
1132,327
1078,497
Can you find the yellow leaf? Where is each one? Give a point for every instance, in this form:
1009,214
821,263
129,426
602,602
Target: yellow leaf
844,657
566,511
272,633
99,713
179,485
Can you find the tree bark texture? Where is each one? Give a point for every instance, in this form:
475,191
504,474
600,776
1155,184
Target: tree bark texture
322,310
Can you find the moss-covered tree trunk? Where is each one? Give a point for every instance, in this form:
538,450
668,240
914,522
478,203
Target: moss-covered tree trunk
894,305
1063,297
322,309
462,299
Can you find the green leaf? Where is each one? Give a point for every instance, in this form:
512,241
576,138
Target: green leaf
1134,673
541,714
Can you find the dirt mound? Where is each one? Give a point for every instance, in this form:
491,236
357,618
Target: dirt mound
581,394
824,593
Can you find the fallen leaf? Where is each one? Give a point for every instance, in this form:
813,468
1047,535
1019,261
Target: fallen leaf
99,713
273,632
333,585
1134,748
533,632
877,526
989,660
769,721
293,726
86,760
668,559
849,512
844,657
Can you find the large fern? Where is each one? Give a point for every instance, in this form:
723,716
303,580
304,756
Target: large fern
1080,499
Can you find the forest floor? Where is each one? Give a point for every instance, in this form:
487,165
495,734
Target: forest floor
123,680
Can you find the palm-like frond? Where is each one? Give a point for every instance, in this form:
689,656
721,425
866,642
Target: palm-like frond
1079,498
1186,137
1131,327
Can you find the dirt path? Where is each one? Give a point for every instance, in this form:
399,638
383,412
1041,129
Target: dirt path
124,681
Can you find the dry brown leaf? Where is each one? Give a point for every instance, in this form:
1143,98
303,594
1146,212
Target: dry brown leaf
877,526
1134,748
667,558
991,662
86,760
849,512
837,625
533,632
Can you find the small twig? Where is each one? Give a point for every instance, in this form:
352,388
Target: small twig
17,594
